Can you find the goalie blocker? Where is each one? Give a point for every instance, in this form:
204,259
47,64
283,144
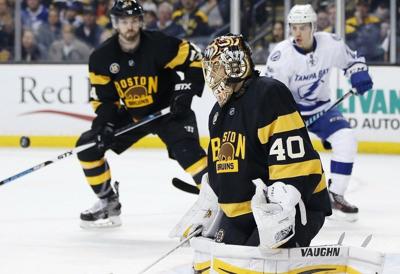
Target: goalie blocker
221,258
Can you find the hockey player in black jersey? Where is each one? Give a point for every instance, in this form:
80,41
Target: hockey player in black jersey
133,74
265,186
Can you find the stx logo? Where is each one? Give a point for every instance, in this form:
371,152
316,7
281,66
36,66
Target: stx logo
183,86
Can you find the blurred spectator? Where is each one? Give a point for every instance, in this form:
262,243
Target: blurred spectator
102,17
278,35
69,48
165,23
5,55
70,15
192,20
50,31
361,15
33,15
6,30
382,12
322,20
331,10
150,15
30,49
385,40
261,51
107,33
350,31
367,39
89,31
148,5
211,9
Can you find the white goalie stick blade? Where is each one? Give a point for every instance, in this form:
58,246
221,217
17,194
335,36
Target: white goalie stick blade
341,238
113,221
366,241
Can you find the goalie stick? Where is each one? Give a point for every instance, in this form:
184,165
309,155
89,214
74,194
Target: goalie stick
186,187
182,243
81,148
318,115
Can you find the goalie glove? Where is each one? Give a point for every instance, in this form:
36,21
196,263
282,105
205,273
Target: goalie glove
204,213
274,210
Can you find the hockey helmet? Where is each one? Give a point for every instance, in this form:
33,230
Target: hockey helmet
300,14
126,8
226,60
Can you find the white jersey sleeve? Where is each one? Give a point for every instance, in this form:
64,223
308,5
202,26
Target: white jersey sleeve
277,65
344,57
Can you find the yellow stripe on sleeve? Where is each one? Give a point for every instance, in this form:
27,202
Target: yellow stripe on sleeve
180,57
99,179
277,172
98,79
197,167
283,123
236,209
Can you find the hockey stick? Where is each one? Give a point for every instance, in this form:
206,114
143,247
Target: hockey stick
182,185
318,115
76,150
193,234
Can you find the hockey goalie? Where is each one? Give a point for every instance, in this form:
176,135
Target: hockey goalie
265,195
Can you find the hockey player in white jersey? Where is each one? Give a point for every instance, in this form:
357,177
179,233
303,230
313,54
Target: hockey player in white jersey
303,63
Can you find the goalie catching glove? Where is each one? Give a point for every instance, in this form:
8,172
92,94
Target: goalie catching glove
274,210
204,213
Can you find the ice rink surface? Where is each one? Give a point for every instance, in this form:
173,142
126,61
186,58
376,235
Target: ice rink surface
39,214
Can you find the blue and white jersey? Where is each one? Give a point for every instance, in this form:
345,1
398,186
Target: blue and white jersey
307,74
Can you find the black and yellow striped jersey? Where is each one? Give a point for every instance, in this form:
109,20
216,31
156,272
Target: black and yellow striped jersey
144,80
260,134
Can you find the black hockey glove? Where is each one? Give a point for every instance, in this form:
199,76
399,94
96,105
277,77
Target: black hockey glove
105,136
180,102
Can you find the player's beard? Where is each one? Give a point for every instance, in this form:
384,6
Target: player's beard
129,36
129,40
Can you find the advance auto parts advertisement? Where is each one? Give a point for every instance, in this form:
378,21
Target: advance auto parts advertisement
52,100
375,116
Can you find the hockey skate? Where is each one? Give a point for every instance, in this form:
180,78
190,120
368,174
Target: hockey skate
103,214
342,209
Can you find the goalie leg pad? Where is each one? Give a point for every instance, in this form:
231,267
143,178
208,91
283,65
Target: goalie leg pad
322,259
205,212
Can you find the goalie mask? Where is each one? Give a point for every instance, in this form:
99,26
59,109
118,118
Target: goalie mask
226,61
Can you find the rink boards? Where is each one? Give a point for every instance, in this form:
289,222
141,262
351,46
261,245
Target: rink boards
49,103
